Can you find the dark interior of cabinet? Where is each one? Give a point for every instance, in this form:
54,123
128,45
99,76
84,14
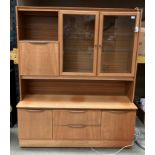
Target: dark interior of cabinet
140,81
78,43
76,87
118,40
37,25
85,3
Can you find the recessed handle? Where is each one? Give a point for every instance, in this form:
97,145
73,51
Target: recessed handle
34,110
76,125
118,112
95,46
100,46
77,111
38,42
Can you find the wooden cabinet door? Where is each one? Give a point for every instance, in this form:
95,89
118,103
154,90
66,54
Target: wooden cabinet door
35,124
78,42
118,39
39,58
118,125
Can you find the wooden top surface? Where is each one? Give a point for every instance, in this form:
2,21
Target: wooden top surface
46,8
76,102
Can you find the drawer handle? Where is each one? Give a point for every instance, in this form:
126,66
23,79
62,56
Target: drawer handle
118,112
76,125
77,111
34,110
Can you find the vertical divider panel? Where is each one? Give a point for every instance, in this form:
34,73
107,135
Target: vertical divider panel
96,43
60,34
100,42
135,47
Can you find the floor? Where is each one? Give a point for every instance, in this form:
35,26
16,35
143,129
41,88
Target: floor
16,150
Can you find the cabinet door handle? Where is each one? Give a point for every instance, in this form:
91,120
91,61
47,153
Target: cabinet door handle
119,112
77,111
76,125
34,110
95,46
100,46
39,42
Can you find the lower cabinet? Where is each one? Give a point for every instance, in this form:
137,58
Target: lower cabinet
98,128
118,125
35,124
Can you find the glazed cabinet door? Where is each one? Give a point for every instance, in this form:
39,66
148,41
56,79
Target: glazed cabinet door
35,124
118,39
118,125
39,58
78,42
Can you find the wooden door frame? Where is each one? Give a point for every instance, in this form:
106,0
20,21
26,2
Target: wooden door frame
60,34
134,53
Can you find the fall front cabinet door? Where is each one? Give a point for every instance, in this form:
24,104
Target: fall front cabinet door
39,58
117,43
78,42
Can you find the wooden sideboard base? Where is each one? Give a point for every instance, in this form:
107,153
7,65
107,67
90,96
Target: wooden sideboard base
73,143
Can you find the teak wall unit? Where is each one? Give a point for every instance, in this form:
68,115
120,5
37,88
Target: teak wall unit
77,70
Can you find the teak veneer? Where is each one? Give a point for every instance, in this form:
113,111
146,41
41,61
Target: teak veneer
77,69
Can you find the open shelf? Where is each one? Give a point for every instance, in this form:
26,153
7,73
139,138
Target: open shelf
37,25
76,102
75,87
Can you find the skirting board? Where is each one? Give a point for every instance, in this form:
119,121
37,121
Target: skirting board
73,143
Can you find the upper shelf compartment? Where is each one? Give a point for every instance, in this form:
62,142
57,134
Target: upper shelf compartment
38,25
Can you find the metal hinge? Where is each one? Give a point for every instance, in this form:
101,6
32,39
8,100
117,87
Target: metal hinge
136,29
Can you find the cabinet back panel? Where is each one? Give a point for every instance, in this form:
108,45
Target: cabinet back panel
38,26
79,87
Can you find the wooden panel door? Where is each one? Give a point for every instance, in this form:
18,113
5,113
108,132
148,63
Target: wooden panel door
39,58
78,31
118,40
118,125
35,124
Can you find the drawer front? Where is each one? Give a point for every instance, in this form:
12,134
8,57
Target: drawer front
86,117
35,124
118,125
76,132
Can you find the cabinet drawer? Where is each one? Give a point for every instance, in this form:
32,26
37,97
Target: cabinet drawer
35,124
76,131
118,125
86,117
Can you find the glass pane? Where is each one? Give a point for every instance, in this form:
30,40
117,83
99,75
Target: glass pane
78,43
117,44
